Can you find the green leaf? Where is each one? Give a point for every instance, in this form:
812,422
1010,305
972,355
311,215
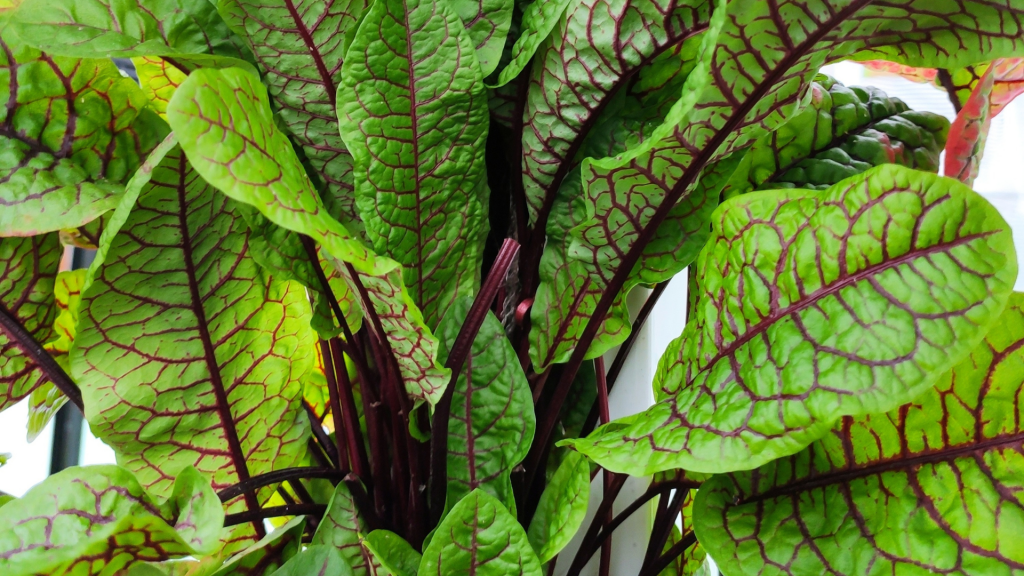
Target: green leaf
343,529
315,560
47,399
574,274
395,555
933,487
267,555
492,416
816,305
252,162
841,133
178,319
413,112
124,28
765,58
479,537
160,77
98,520
300,47
562,507
580,66
487,24
281,253
539,18
73,132
28,270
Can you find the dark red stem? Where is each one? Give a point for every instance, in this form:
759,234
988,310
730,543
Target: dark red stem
336,414
255,516
17,334
659,565
276,477
350,416
456,358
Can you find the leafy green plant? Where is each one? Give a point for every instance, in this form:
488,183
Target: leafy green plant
359,265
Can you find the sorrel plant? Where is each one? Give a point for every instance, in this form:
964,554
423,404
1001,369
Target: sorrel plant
359,291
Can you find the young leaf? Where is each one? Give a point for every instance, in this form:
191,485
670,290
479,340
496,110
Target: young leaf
98,520
72,131
188,352
562,508
479,537
315,560
815,306
267,555
106,28
969,132
28,269
539,18
46,400
300,47
492,416
160,77
413,112
841,133
931,487
578,70
343,529
395,556
252,162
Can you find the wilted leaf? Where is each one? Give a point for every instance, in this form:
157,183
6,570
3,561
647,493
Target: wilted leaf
178,320
492,416
417,137
72,133
479,537
98,519
816,305
933,487
562,507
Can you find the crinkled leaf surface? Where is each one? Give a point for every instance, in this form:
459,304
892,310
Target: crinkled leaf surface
281,252
594,50
269,554
573,276
539,18
315,560
343,529
492,417
766,55
413,112
188,353
72,132
125,28
395,556
842,132
479,537
300,47
46,400
933,487
28,270
99,519
562,507
816,305
253,162
487,23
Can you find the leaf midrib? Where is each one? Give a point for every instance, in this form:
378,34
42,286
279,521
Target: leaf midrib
814,297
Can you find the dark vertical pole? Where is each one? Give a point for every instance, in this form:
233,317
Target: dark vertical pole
67,425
